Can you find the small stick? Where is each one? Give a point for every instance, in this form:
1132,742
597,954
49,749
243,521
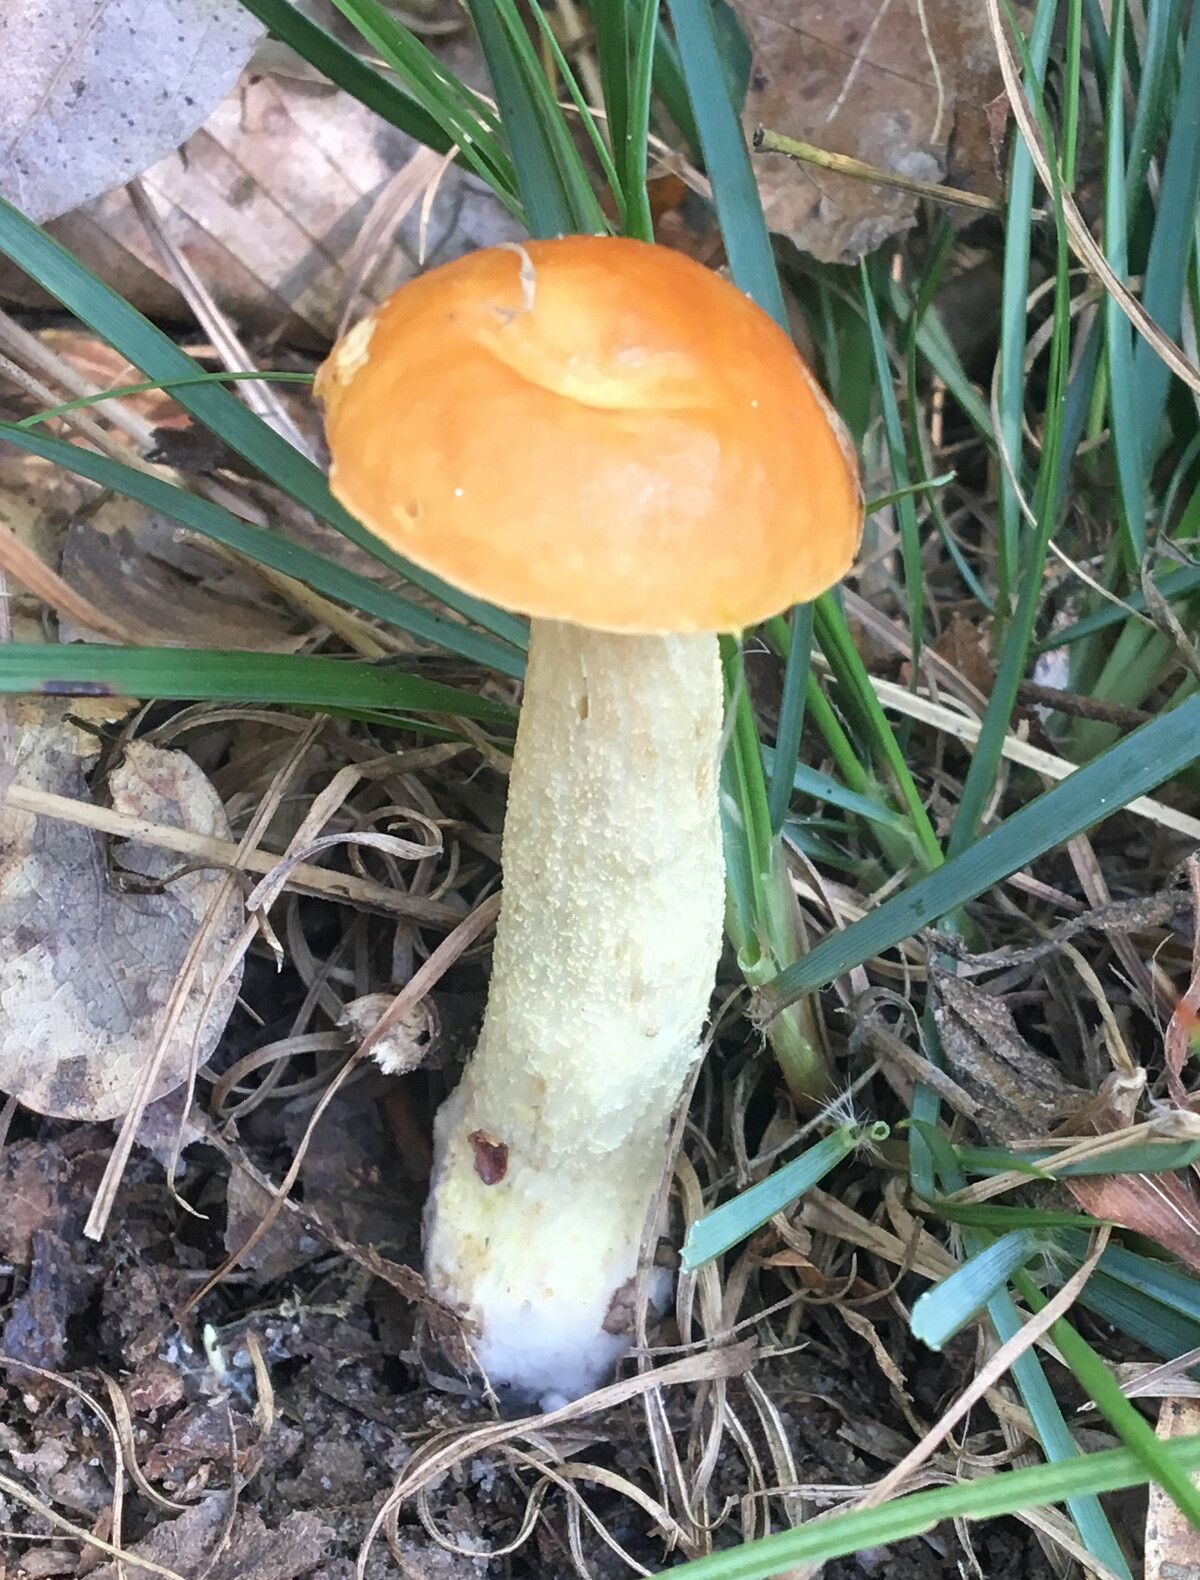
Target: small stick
768,142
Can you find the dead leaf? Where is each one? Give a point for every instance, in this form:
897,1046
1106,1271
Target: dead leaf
57,1291
1172,1541
282,1249
266,202
189,1545
899,84
94,94
403,1047
1164,1207
1021,1093
166,585
37,500
87,965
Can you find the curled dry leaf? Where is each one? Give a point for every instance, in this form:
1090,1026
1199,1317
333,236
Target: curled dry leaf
96,92
87,964
403,1047
900,84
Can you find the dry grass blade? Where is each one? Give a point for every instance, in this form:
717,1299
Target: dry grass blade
83,424
439,962
259,396
965,728
206,850
768,142
34,354
122,1427
106,1193
991,1374
450,1449
80,1534
120,1459
1081,239
416,181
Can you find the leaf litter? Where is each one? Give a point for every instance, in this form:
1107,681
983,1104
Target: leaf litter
309,1396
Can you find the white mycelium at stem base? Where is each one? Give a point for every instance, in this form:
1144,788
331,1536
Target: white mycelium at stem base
605,955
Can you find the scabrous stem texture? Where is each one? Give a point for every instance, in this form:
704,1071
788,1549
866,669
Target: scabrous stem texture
549,1151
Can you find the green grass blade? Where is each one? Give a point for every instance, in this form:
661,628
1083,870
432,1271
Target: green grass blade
726,157
910,531
469,119
1040,1399
785,759
1171,247
1058,1444
736,1220
993,1216
614,26
1144,759
1118,331
1014,656
553,180
810,782
1177,582
584,111
1163,1331
203,674
852,677
1013,331
1162,1282
942,1311
980,1498
637,131
118,391
342,66
137,339
748,246
939,351
269,549
1122,1415
748,777
1153,97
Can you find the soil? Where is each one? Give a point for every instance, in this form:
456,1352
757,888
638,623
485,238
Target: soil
269,1420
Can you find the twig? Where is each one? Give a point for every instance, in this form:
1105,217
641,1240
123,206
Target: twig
208,850
768,142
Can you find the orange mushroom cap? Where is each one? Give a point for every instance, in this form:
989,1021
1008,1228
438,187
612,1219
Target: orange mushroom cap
593,430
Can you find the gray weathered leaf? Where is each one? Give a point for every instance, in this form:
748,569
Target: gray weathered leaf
87,963
96,90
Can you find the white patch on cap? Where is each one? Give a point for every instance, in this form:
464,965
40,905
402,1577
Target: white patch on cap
351,354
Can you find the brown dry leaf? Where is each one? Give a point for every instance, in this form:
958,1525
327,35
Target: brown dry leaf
37,499
191,1545
166,586
1021,1093
901,84
1172,1541
266,202
87,966
90,99
282,1249
1164,1207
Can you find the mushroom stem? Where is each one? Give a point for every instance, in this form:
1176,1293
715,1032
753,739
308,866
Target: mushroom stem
549,1151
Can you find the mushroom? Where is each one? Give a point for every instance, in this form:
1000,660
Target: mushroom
605,436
